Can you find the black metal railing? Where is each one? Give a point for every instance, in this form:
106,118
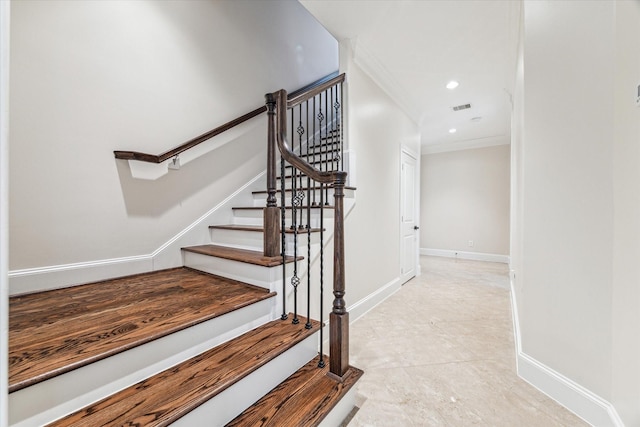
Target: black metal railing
308,132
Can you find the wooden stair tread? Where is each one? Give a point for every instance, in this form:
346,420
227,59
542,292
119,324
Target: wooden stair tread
167,396
256,228
303,399
237,254
60,330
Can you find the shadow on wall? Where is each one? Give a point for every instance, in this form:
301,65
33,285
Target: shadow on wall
152,198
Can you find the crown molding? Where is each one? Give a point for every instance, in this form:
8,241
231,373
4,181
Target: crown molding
466,145
379,73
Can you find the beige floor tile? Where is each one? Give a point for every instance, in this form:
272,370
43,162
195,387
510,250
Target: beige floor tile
440,352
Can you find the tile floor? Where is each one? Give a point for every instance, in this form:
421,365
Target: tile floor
440,352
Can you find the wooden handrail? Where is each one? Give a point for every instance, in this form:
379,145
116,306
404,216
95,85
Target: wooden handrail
159,158
297,98
325,177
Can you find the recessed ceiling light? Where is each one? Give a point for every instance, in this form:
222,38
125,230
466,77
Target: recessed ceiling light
452,130
452,84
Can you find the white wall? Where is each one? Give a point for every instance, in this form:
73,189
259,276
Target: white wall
4,210
378,128
626,193
465,196
92,77
577,204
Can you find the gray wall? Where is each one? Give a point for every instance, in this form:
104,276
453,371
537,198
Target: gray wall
465,196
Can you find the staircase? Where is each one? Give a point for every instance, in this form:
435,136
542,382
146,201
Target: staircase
208,343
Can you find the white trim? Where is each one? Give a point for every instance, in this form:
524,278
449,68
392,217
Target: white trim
576,398
366,304
379,73
362,307
476,256
469,144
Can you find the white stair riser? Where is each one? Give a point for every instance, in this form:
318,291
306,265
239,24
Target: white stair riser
255,240
255,217
260,199
227,405
49,400
341,410
265,277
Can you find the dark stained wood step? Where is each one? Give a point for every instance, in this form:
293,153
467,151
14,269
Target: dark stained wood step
303,399
236,254
54,332
255,228
169,395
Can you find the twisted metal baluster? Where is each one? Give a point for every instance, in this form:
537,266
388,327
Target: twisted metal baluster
314,144
321,363
283,180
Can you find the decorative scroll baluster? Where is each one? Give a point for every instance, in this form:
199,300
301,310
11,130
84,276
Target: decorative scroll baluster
300,194
295,280
326,158
337,132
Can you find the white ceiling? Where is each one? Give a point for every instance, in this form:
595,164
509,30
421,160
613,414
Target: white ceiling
412,48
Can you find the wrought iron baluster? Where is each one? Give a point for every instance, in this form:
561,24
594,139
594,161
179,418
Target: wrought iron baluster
337,130
321,363
313,119
300,193
341,130
326,108
283,183
295,281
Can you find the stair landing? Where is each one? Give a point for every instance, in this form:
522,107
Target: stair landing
54,332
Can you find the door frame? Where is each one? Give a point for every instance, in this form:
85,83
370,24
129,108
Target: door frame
411,153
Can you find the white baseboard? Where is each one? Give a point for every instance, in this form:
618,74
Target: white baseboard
60,276
360,308
576,398
475,256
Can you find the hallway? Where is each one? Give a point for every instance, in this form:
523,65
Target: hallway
440,352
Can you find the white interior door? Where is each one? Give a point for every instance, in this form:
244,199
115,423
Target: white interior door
408,220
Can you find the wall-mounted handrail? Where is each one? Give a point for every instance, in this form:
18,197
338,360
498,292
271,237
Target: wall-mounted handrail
159,158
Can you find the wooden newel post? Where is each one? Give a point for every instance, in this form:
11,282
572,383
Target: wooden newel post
271,212
339,317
